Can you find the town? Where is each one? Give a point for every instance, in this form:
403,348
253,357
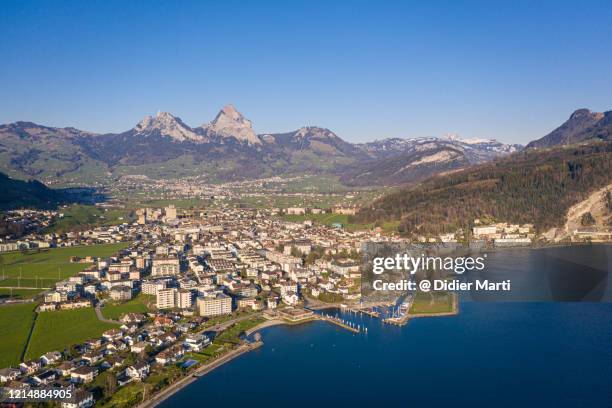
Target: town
203,272
203,279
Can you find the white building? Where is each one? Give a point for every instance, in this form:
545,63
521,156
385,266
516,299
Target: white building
151,287
121,293
163,266
296,211
166,298
484,231
184,299
170,212
214,306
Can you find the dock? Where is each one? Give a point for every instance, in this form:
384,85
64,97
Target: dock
369,312
339,323
343,323
397,321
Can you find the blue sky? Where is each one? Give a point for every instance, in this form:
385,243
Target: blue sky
510,70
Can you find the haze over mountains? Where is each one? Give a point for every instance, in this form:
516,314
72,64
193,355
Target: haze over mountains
227,148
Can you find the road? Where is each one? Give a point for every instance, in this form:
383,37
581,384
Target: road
22,287
101,316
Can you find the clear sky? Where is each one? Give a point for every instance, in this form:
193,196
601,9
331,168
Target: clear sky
509,70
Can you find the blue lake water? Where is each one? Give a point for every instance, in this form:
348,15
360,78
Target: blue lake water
490,355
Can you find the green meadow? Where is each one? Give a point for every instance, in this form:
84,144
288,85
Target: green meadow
19,294
329,219
41,269
433,302
15,324
55,331
79,216
139,304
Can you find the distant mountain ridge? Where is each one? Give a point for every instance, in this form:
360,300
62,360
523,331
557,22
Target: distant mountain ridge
532,186
399,161
582,126
227,148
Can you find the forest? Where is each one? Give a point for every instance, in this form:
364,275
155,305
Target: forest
533,186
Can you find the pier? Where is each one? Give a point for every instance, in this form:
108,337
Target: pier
345,324
397,321
339,323
369,312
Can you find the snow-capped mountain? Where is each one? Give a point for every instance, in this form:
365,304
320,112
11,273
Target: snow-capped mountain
397,161
477,149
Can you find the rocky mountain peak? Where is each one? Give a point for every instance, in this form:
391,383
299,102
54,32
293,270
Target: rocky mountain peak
314,132
231,123
583,113
167,124
581,126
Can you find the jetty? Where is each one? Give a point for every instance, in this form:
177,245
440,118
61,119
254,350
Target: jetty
366,311
341,323
292,316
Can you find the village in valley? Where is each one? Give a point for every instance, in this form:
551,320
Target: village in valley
126,309
179,290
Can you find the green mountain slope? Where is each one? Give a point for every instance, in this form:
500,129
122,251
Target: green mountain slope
18,194
528,187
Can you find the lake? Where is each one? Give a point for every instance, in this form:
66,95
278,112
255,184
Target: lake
491,354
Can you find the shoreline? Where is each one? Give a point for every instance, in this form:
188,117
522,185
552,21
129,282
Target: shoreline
198,373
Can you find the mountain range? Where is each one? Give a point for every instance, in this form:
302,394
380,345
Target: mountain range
536,186
227,148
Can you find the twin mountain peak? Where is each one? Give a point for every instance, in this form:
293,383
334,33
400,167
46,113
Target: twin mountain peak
228,148
228,124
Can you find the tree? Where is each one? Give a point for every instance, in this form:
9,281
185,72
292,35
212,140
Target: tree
296,252
587,220
111,385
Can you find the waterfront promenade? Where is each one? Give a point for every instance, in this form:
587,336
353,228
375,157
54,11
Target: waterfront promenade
199,372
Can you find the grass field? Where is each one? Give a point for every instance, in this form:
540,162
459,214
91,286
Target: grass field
434,302
329,219
55,331
15,324
137,305
42,269
87,216
18,293
127,396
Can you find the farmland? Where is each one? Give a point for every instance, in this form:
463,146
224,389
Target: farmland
137,305
55,331
41,269
15,324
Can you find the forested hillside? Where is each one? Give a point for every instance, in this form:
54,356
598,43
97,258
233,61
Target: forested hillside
31,194
528,187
